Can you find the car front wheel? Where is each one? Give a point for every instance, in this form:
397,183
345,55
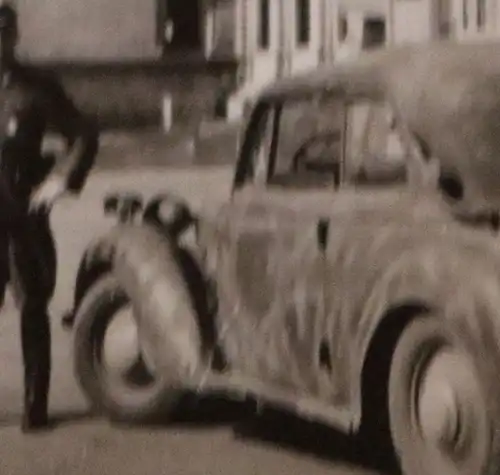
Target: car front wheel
440,410
111,362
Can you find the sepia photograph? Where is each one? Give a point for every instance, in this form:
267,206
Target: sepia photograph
252,237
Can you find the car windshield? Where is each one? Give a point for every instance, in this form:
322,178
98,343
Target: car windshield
307,139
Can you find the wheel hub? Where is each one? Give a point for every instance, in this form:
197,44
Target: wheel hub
445,413
125,356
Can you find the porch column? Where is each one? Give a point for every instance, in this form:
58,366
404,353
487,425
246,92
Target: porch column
248,23
390,19
282,39
472,6
288,34
491,15
324,22
334,32
209,30
355,21
239,28
456,18
329,22
331,14
243,50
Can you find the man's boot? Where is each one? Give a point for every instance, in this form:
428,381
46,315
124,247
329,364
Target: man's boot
35,416
37,366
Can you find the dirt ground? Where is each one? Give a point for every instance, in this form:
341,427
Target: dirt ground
83,445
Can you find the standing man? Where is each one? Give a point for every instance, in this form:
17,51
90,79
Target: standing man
32,103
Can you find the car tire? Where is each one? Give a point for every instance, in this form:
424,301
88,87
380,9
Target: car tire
442,418
152,399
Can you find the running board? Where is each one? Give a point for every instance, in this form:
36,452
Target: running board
239,386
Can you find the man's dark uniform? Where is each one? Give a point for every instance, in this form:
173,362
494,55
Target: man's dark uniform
32,102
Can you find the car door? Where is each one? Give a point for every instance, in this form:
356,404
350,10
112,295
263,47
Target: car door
246,275
268,262
297,326
272,293
238,244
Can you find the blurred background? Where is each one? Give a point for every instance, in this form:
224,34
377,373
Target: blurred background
187,68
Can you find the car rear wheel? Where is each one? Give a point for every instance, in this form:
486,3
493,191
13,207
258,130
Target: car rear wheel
111,362
439,410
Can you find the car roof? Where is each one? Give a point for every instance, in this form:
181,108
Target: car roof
377,74
445,95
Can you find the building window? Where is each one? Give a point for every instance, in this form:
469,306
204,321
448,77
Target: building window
374,33
481,14
264,24
303,15
179,25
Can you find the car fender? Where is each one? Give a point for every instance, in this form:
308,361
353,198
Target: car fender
147,264
457,281
96,261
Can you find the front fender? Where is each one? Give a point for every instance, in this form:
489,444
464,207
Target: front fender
147,264
97,260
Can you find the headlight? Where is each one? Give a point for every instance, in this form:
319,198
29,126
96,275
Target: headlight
170,212
125,205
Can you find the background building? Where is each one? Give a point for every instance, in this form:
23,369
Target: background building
275,36
475,19
256,41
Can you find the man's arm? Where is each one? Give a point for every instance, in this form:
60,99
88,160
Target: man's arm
81,134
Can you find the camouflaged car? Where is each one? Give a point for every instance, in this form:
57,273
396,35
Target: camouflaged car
375,308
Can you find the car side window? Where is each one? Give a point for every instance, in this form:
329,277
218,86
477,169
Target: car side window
374,149
301,143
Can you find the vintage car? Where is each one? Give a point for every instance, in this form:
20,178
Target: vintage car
372,308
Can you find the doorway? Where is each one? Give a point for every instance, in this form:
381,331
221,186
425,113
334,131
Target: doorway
179,25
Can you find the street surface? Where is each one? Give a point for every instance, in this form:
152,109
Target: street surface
206,445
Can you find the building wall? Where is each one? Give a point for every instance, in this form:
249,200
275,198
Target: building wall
472,29
412,21
365,5
88,44
126,29
264,62
123,96
90,29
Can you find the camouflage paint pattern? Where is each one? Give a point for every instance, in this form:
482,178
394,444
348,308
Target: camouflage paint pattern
282,296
